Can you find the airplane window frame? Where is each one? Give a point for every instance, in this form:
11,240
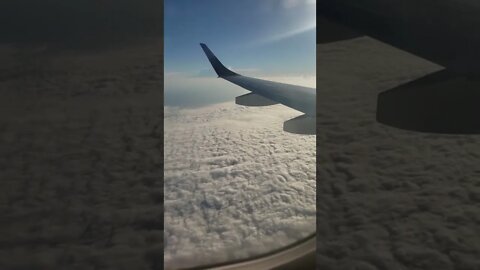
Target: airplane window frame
301,251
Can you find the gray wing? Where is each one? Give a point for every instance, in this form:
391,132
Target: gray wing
297,97
266,93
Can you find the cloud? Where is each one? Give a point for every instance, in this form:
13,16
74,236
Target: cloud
191,90
309,23
281,36
236,185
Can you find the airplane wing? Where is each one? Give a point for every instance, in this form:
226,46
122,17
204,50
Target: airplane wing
266,93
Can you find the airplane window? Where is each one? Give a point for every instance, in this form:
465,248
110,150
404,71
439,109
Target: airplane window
239,181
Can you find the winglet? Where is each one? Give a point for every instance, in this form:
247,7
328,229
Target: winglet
220,69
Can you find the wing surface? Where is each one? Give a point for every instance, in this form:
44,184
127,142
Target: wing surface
297,97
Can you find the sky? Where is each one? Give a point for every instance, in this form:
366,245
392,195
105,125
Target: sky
271,39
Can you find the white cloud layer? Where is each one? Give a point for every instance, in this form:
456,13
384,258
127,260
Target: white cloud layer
236,184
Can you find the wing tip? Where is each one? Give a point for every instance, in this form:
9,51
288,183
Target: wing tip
219,68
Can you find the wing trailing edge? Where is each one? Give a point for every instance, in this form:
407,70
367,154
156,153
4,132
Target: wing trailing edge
252,99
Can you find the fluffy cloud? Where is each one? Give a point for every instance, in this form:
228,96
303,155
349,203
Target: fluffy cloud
236,184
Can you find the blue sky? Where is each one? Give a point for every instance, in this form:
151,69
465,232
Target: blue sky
267,39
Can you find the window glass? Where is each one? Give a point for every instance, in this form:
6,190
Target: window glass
236,184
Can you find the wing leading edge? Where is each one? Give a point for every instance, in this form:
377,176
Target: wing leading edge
297,97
